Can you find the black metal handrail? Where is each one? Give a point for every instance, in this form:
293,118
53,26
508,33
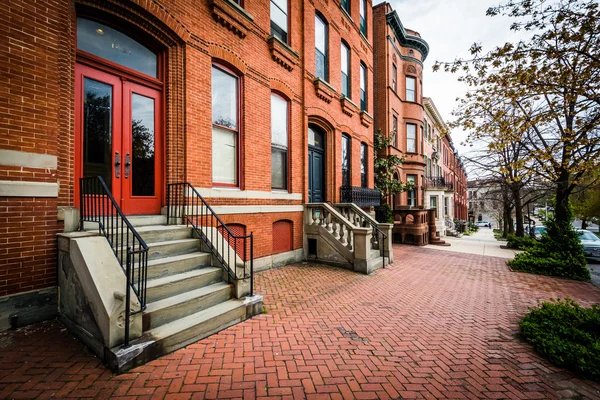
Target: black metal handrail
97,205
362,197
184,201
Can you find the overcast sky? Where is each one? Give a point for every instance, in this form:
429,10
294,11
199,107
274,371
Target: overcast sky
450,28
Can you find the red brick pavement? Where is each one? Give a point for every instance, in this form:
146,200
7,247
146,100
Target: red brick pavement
434,325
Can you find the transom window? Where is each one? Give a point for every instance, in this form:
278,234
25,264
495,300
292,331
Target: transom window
112,45
411,138
279,142
410,88
225,131
321,56
346,149
279,19
345,58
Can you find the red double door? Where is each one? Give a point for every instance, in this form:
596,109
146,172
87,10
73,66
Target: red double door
118,136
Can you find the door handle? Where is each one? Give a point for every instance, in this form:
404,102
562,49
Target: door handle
117,165
127,165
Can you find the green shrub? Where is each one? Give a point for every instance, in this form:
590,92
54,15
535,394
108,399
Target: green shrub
520,243
566,334
384,214
558,253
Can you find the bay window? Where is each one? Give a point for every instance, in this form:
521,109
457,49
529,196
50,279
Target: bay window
411,138
412,193
410,88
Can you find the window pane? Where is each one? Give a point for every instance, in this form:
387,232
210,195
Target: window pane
363,165
279,16
279,121
321,65
224,155
315,138
345,160
102,41
345,85
346,5
142,145
345,58
278,168
363,77
281,4
410,89
320,35
224,99
97,130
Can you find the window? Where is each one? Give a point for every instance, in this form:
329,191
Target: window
410,88
412,193
346,5
279,19
445,206
411,138
395,130
279,142
363,17
363,87
363,165
225,130
422,140
345,70
433,204
425,161
321,38
346,150
394,76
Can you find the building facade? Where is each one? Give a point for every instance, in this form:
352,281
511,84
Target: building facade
261,105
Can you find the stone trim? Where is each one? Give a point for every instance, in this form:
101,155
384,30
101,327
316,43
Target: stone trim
247,194
28,308
282,54
28,189
14,158
324,90
227,210
348,106
232,17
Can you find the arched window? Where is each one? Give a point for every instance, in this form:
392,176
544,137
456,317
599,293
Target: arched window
226,129
282,236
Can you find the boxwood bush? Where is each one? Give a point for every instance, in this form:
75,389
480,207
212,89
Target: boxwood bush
567,334
520,243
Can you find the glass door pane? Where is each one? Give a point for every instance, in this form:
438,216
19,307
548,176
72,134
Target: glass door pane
97,130
142,145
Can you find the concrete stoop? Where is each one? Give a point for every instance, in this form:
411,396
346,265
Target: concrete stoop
188,297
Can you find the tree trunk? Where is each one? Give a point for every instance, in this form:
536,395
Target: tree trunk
518,211
511,222
506,213
562,214
584,223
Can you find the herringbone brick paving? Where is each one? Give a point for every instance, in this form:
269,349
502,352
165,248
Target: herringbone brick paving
434,325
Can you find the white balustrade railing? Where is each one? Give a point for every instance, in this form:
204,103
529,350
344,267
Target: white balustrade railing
321,214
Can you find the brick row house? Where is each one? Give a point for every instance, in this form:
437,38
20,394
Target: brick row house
417,131
257,106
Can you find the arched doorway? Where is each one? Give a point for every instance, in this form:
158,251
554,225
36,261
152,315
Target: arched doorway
316,164
118,116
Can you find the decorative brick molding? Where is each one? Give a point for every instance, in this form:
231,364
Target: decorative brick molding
282,54
232,16
348,106
366,119
223,54
324,90
281,87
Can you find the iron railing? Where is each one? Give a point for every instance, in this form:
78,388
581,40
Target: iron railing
438,182
234,252
97,205
362,197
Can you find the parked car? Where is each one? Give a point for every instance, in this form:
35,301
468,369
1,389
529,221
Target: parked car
590,242
482,224
538,231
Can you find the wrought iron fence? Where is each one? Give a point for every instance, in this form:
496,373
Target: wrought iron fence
234,252
362,197
97,205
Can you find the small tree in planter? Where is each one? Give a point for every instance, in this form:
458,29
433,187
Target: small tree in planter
386,165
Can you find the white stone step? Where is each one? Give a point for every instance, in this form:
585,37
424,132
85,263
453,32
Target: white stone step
146,220
171,308
183,331
161,250
162,267
163,233
172,285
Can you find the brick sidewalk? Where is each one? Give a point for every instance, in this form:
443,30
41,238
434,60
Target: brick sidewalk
435,325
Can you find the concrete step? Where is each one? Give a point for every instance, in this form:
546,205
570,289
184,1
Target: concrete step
171,308
147,220
163,233
172,285
162,267
160,250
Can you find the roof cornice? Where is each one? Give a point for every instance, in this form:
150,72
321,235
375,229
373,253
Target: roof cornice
429,106
404,38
